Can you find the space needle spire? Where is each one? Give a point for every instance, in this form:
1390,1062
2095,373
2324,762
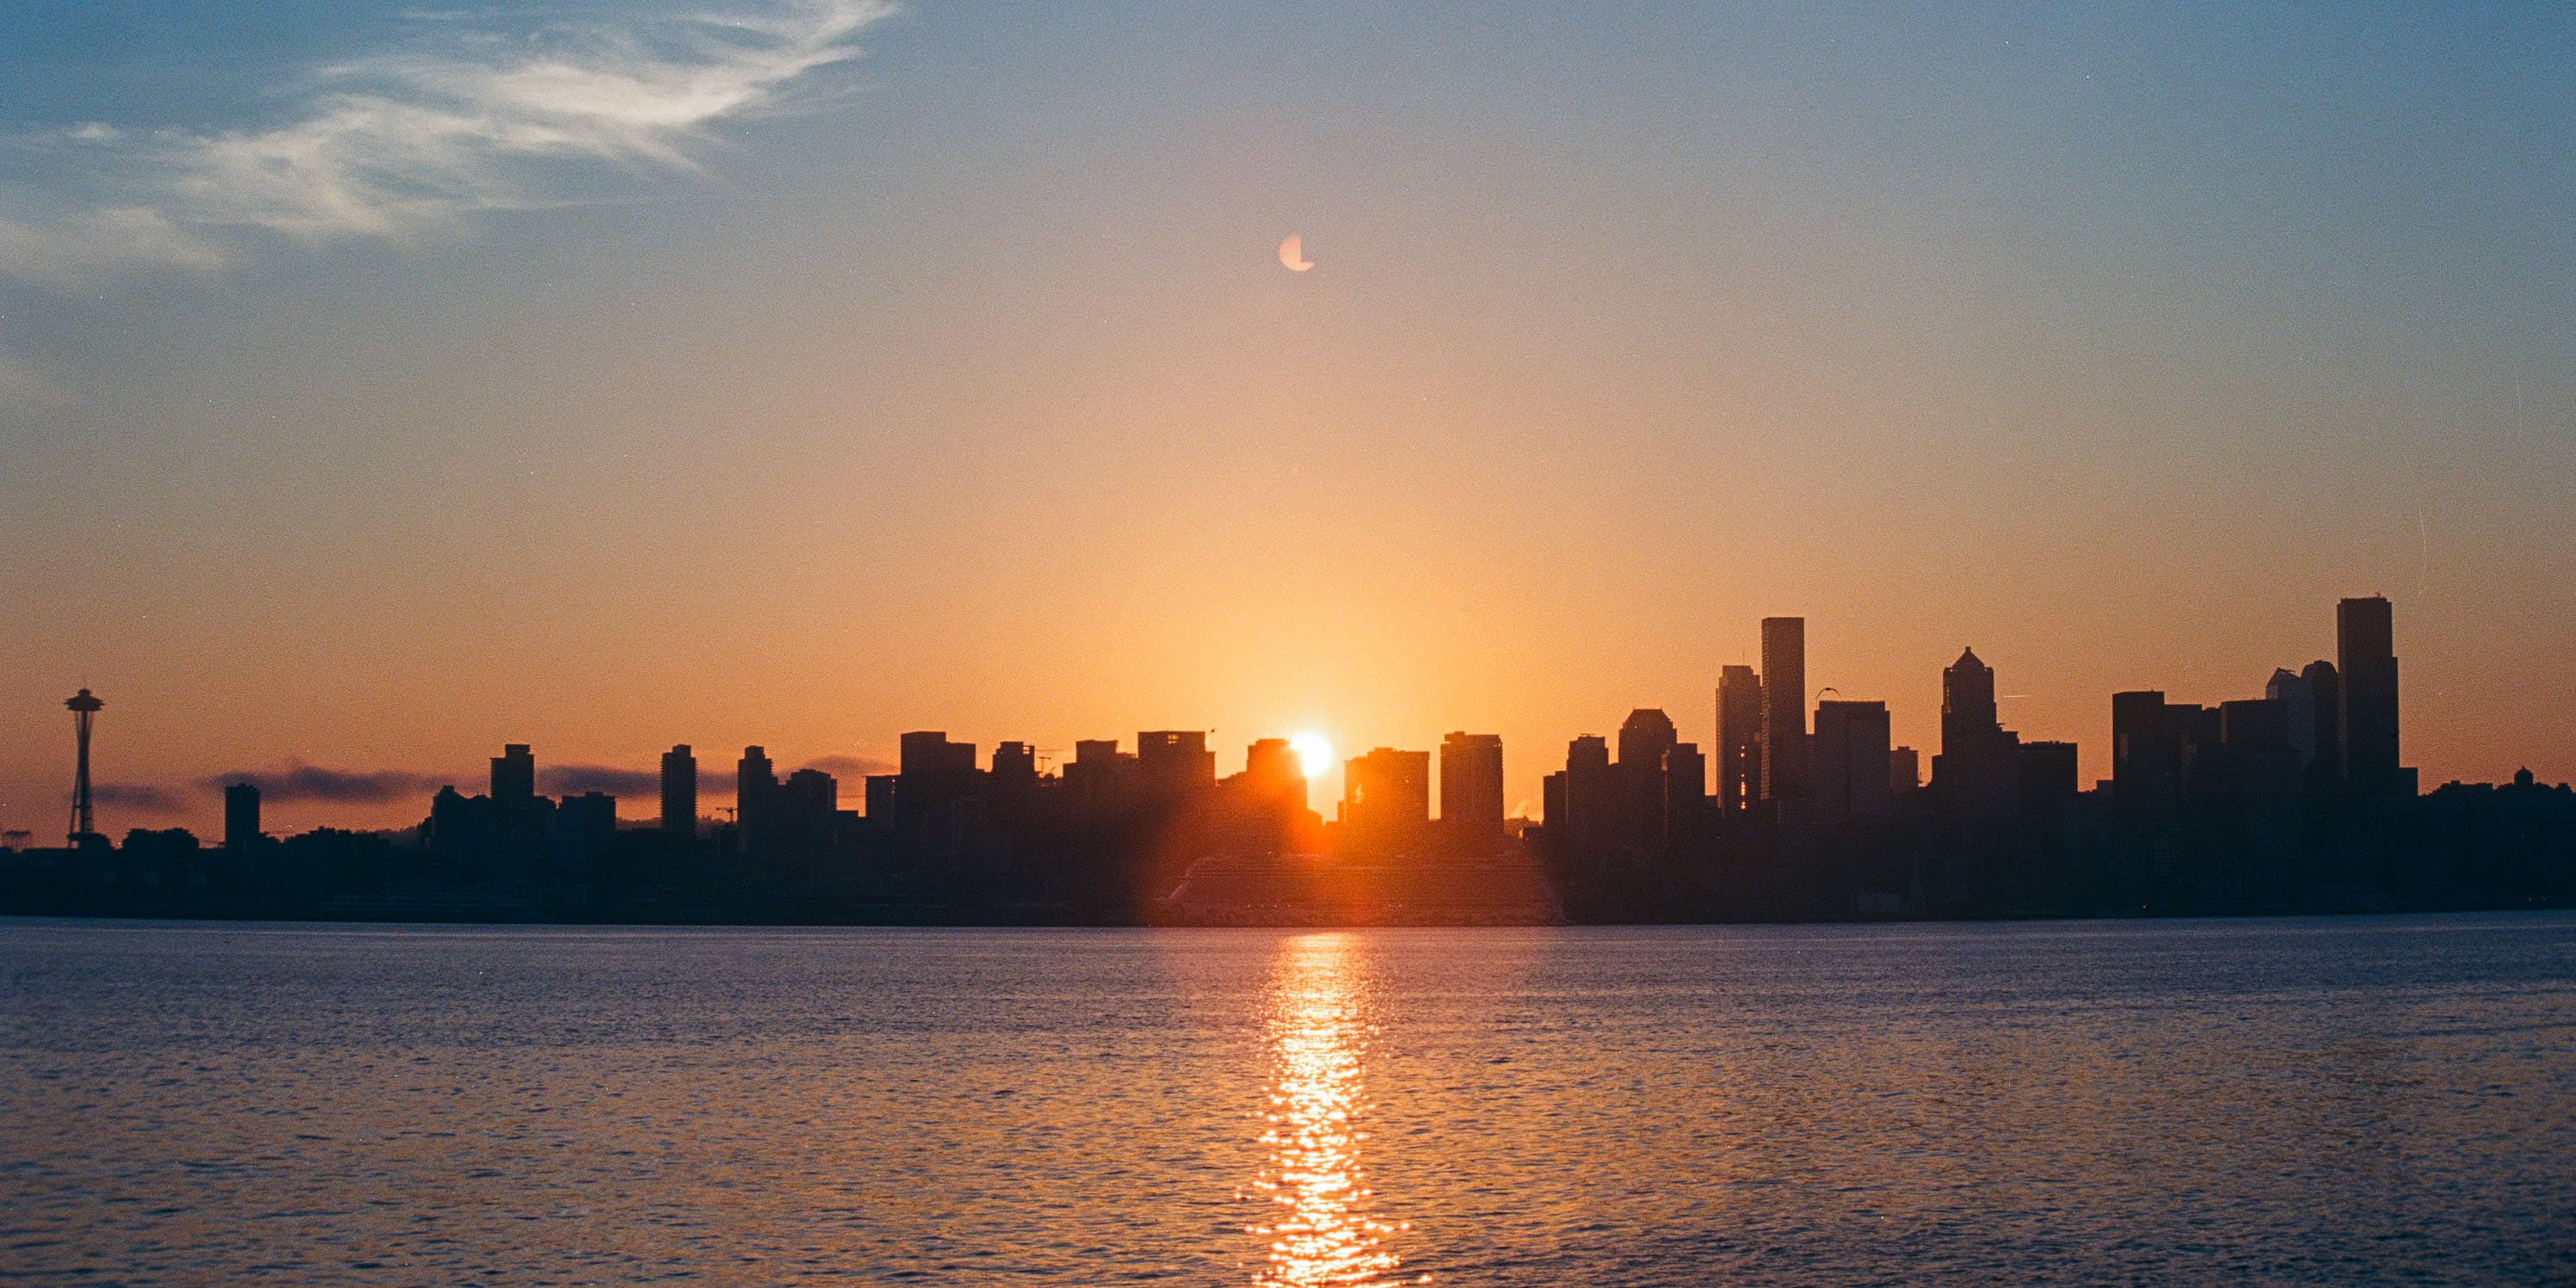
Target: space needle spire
84,707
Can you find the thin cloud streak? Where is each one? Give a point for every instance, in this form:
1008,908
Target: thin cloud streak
573,780
299,782
851,767
143,798
397,143
68,251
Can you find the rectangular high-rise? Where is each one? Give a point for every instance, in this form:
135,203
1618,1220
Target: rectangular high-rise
1851,751
1785,766
1175,763
1739,738
2366,660
241,817
680,791
1386,800
755,800
514,774
1471,786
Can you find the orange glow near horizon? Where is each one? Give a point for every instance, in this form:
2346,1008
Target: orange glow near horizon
1323,1233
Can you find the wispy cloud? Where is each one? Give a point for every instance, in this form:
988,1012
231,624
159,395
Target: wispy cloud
142,798
301,782
852,766
572,780
72,248
391,144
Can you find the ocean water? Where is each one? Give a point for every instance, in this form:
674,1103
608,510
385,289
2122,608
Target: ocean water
2290,1102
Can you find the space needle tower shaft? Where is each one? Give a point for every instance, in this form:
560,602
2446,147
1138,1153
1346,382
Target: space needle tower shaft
84,708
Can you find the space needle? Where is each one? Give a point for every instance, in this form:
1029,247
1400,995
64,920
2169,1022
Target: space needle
84,708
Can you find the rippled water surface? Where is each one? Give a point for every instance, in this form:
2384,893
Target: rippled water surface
2326,1102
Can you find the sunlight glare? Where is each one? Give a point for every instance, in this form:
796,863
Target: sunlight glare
1314,754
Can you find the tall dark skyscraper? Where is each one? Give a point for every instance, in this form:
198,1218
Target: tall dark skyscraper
1175,762
241,817
1785,771
1591,794
755,800
1386,800
1851,764
680,791
2142,782
2298,701
1739,738
1976,770
2325,701
1471,786
514,775
1645,737
2366,661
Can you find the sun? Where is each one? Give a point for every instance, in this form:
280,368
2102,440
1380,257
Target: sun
1314,754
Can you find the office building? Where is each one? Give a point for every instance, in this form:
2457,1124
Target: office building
1851,759
514,775
680,791
1785,775
1739,738
241,817
1386,801
1976,771
2366,660
1904,770
1471,787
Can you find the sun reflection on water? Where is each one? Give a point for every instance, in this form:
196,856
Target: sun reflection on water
1322,1232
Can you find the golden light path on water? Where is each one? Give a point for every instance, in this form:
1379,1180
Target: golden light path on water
1322,1232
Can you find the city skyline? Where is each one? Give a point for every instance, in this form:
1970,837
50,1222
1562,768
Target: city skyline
1848,760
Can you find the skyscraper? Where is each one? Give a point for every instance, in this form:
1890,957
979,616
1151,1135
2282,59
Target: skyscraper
1851,758
1739,738
2146,770
1386,800
514,775
1015,763
2366,659
2325,701
1976,771
1685,795
1785,770
1471,787
1175,762
1644,737
241,817
680,791
755,800
2298,701
1591,796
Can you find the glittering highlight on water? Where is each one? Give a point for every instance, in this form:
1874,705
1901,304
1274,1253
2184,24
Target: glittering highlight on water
1323,1233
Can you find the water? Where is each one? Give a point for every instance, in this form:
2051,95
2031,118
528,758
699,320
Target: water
2327,1102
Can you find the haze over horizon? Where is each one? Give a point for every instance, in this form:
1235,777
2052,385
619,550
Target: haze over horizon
379,385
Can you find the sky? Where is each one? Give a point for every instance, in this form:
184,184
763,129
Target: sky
381,383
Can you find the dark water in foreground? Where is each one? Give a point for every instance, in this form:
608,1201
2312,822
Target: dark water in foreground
2327,1102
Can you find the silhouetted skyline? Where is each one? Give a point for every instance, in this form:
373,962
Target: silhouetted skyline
2294,800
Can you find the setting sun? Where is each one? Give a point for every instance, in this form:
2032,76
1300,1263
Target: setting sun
1314,754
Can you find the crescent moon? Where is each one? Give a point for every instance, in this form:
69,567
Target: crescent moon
1292,254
